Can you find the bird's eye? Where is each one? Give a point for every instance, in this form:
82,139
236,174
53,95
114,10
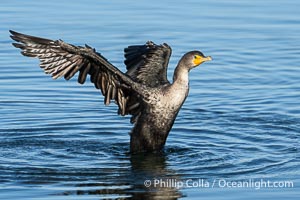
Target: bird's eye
195,56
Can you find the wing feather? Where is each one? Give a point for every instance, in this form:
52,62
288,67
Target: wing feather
147,64
64,60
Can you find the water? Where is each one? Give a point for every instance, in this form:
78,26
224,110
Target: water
241,121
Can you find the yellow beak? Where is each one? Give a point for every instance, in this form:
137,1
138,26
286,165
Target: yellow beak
207,58
199,59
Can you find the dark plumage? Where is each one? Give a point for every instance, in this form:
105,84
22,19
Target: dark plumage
143,91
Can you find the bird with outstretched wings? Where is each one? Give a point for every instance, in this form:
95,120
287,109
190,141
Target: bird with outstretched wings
143,91
61,59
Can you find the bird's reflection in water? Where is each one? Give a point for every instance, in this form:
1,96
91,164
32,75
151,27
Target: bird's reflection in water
146,177
151,176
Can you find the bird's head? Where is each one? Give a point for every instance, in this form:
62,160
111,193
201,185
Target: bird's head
194,58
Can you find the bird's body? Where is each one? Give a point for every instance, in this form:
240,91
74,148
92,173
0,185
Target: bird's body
143,91
157,117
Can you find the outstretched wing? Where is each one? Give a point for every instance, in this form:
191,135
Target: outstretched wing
61,59
147,64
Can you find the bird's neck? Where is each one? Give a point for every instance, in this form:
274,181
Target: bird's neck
181,76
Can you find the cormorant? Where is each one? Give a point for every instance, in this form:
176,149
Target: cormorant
143,91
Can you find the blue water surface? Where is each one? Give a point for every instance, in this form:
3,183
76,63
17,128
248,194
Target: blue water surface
236,137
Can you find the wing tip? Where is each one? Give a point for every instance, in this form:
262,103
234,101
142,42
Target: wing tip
23,38
13,32
19,37
16,35
18,45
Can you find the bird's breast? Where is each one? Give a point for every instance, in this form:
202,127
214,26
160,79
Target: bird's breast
162,106
169,100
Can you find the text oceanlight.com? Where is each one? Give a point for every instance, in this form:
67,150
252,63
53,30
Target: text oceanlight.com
219,183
